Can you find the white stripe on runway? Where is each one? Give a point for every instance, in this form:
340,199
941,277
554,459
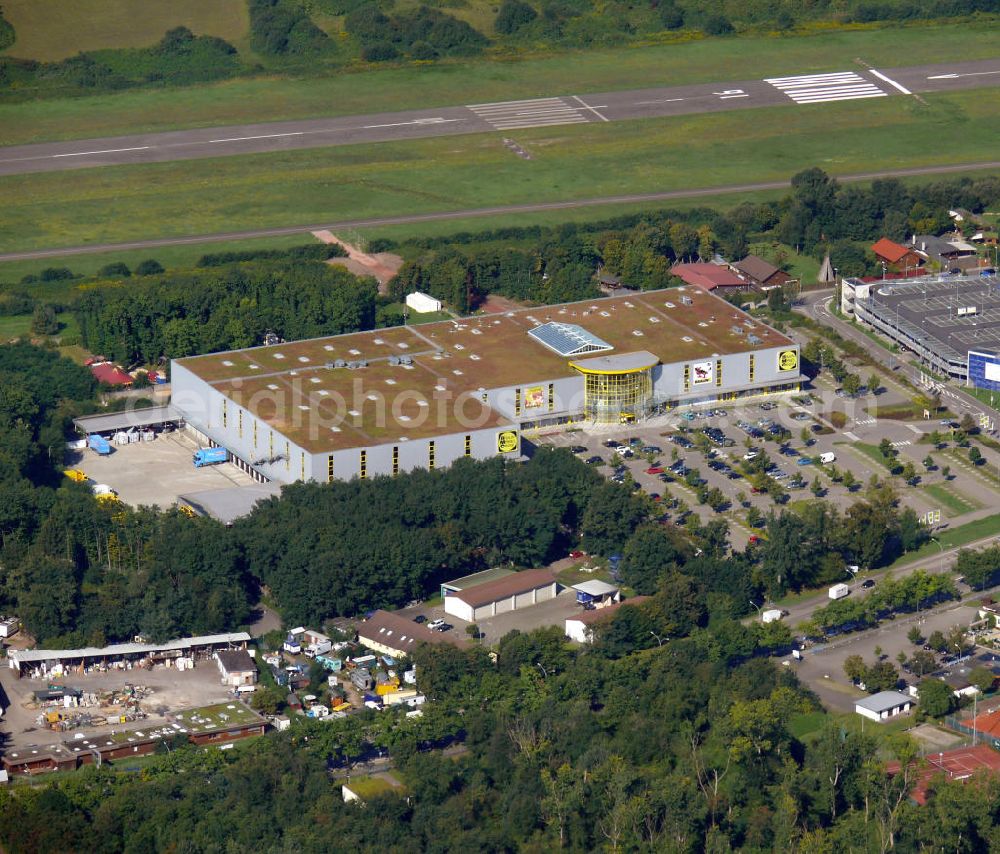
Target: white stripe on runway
104,151
537,112
890,81
820,88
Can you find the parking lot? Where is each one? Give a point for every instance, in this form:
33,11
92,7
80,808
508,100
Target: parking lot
157,472
553,612
822,666
728,432
169,689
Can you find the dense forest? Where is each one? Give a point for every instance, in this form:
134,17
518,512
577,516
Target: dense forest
323,36
80,571
222,306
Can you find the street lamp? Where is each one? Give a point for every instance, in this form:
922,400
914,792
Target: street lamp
541,667
659,641
759,609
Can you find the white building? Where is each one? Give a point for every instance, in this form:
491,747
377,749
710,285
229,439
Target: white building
422,303
884,705
520,590
237,667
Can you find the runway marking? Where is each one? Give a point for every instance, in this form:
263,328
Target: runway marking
592,109
537,112
890,81
954,76
820,88
261,136
661,101
434,121
103,151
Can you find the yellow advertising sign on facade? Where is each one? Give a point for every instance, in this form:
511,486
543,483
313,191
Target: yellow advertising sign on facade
534,397
788,360
507,441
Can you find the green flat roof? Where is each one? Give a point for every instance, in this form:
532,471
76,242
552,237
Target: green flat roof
215,717
296,389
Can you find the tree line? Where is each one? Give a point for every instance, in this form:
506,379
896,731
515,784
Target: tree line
289,36
186,312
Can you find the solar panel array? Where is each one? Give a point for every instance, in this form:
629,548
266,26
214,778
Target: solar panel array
568,339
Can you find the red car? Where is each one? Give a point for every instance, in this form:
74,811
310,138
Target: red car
577,554
654,470
754,539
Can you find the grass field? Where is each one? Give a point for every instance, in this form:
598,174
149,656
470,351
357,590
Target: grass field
570,163
954,538
14,327
276,99
54,29
944,499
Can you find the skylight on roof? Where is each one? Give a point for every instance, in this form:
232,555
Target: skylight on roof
568,339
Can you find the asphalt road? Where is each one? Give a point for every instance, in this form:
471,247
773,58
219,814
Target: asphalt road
857,82
468,213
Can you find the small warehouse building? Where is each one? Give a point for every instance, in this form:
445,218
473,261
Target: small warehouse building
597,594
422,303
467,581
43,663
520,590
580,628
396,636
884,705
237,668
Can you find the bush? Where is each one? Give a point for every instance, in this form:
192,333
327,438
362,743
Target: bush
283,28
671,17
512,16
838,420
56,274
149,267
118,268
717,25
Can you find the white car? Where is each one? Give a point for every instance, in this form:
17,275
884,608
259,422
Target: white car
434,624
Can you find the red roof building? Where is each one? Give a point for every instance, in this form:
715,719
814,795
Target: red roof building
896,257
708,277
110,374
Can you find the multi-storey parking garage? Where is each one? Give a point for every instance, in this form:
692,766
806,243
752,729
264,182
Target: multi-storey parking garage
939,318
391,400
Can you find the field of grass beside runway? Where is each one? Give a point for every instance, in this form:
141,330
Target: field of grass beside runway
472,81
571,162
54,29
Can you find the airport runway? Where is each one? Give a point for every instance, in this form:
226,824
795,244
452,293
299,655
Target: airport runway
506,117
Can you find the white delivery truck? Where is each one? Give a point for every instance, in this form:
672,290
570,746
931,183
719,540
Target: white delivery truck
839,591
771,616
827,458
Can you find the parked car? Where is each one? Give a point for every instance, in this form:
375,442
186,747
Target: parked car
594,461
420,618
867,584
651,449
578,449
576,554
654,470
611,443
433,624
804,461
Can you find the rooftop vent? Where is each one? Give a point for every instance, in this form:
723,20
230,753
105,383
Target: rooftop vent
340,363
394,360
406,360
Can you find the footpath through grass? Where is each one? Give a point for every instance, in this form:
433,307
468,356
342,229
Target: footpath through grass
476,81
570,163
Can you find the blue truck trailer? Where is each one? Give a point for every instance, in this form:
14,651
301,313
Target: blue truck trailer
98,444
209,457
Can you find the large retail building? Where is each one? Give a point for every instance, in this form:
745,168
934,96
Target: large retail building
392,400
